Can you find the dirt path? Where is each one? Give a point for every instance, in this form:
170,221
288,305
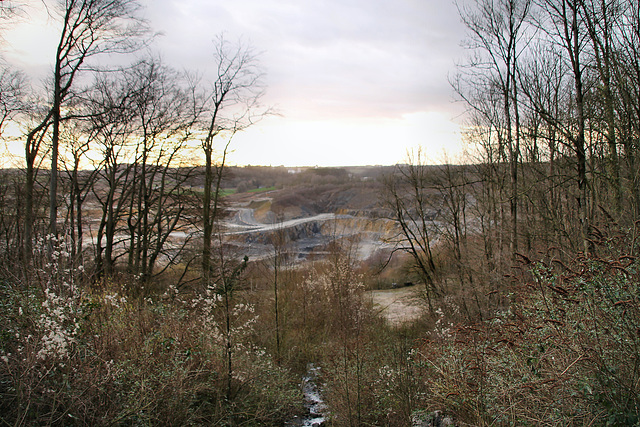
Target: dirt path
244,221
398,305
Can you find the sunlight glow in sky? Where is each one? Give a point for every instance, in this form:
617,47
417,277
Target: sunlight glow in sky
355,82
335,142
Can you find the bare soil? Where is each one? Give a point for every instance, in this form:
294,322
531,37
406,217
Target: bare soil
398,306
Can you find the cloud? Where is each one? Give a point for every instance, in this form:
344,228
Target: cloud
330,58
362,77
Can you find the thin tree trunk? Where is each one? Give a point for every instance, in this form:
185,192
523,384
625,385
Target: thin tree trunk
580,137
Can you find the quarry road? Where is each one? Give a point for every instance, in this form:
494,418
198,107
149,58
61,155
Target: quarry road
244,221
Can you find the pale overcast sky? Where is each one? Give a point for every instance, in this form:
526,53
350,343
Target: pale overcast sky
355,81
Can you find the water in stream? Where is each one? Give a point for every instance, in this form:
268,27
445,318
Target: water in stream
312,400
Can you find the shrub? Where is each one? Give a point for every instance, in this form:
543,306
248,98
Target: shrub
72,354
567,350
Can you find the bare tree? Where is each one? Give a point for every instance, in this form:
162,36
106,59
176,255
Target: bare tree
113,123
407,196
12,95
34,141
497,40
231,105
562,21
13,104
87,28
165,113
600,19
78,142
627,81
9,9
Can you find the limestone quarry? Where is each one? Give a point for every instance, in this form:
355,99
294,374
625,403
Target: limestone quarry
309,217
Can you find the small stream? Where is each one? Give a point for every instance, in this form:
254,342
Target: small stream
312,401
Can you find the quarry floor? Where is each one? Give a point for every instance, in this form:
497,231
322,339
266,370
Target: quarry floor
400,305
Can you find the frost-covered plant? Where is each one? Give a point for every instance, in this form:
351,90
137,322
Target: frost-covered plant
59,324
114,299
54,267
62,305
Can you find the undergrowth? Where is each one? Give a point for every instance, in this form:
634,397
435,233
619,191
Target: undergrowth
78,354
565,352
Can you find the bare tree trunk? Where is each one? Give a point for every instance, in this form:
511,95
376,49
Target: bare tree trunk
599,23
29,214
579,141
32,147
206,215
55,139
